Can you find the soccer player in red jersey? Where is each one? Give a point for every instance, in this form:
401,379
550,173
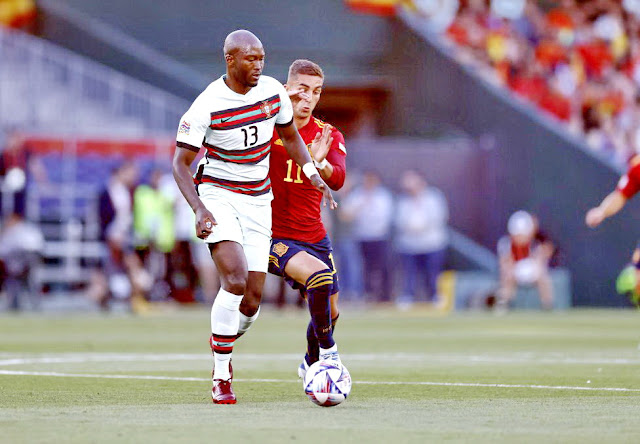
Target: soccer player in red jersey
628,186
300,248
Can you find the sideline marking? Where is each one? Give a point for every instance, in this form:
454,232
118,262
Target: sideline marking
425,383
517,358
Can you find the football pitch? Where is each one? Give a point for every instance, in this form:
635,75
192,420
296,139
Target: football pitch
523,377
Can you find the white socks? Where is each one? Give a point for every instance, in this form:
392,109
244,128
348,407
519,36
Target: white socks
225,319
246,322
329,352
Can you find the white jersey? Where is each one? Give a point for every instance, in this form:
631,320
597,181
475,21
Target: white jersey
236,130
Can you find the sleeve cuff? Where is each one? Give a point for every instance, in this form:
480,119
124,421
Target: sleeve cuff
282,125
186,146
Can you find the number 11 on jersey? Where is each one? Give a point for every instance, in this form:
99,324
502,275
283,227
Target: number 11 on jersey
290,170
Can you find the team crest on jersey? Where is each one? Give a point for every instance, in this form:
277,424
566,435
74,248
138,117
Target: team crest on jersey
184,127
266,108
280,249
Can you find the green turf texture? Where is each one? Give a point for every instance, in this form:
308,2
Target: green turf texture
587,348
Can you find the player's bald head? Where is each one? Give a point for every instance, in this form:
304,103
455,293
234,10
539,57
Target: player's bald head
240,40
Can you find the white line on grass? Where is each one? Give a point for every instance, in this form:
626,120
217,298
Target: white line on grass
516,358
425,383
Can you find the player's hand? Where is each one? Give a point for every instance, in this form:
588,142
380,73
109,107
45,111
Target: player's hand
204,223
321,144
317,182
594,217
299,94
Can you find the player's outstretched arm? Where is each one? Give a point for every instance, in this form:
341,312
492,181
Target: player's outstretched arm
182,160
611,205
319,149
296,148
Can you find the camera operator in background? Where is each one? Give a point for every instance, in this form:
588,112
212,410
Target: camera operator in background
524,261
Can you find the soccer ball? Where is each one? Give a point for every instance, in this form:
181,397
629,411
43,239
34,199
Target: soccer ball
327,383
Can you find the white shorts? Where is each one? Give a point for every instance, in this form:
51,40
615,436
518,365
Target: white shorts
241,220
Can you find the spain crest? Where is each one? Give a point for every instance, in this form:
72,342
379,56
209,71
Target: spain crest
266,108
280,249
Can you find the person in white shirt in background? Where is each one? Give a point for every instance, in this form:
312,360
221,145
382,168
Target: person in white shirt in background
524,261
370,209
421,236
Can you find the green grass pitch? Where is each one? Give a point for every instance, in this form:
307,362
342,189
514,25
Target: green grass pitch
524,377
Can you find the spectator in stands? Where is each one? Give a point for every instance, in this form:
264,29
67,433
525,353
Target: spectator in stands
21,244
524,261
578,61
19,14
127,279
370,208
421,236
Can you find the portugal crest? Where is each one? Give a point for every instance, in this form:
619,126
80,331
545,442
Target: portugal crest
266,108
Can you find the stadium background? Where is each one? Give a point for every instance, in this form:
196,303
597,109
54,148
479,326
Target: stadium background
393,87
85,85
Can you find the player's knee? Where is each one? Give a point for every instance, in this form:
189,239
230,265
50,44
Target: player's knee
319,287
235,283
319,279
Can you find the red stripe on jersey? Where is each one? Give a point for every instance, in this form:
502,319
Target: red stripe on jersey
244,109
252,188
243,122
249,156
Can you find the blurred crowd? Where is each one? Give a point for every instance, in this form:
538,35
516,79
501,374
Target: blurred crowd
390,243
389,246
577,60
153,254
19,14
379,232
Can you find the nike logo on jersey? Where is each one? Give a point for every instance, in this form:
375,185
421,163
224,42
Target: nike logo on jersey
225,120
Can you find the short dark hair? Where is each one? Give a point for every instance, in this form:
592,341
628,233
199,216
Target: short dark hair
306,67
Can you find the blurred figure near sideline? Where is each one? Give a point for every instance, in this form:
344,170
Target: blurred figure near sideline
346,248
421,235
524,261
370,208
127,279
153,221
21,244
190,258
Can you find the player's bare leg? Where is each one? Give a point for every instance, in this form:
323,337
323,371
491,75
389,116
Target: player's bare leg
250,305
317,279
225,314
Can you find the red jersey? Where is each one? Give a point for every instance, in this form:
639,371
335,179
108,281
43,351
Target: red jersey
296,203
629,184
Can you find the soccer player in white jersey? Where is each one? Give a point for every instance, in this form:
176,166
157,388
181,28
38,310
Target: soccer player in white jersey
234,119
